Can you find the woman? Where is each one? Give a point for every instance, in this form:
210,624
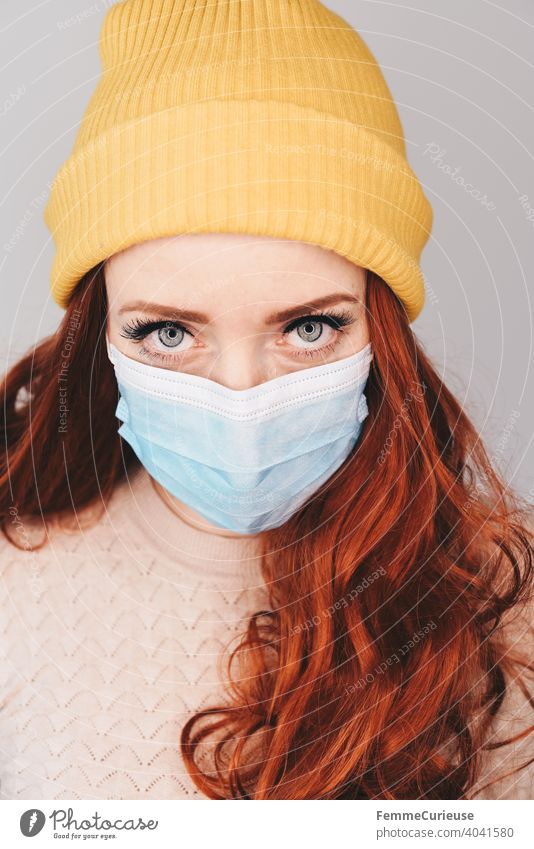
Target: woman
278,578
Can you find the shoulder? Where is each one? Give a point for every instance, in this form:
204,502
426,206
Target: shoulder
47,545
46,563
31,534
42,553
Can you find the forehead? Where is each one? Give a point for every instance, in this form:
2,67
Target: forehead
241,268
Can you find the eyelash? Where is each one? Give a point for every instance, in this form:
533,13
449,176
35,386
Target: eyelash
138,329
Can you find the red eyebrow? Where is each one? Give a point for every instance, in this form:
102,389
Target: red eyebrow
166,311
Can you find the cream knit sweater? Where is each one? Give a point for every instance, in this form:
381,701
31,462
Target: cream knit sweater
110,640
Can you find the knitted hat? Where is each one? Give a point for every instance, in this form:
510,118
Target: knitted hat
267,117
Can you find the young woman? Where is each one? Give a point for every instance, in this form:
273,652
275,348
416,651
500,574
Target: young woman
291,571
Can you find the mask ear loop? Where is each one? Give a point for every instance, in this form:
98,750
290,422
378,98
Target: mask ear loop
111,357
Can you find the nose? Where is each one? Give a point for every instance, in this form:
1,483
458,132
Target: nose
241,366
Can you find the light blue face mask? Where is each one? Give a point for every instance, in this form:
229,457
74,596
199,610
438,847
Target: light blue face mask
246,460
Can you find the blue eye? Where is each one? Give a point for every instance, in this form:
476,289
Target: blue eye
336,320
171,335
310,328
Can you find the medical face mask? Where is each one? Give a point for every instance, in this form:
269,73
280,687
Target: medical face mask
246,460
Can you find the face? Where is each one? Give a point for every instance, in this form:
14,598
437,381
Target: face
237,309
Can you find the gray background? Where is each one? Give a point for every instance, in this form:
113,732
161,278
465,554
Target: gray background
462,76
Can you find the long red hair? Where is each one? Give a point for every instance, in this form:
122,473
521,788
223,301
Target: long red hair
377,669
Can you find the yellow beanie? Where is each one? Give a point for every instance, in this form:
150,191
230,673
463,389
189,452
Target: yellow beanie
267,117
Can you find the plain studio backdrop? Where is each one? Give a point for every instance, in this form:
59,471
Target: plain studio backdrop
462,76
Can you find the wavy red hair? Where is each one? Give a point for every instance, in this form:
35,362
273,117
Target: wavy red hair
377,669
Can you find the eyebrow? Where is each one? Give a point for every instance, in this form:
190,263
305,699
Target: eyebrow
274,318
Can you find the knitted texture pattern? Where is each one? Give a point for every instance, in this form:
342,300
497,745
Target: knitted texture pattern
109,640
265,117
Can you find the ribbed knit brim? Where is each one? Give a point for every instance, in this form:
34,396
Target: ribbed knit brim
184,135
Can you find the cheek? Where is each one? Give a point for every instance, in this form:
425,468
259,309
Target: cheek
366,335
112,334
359,335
